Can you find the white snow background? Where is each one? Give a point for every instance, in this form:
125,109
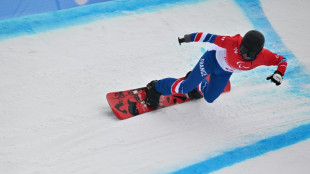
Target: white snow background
54,117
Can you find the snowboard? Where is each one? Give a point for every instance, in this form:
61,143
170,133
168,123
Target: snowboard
129,103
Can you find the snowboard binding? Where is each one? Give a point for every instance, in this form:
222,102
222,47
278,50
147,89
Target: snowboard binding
152,96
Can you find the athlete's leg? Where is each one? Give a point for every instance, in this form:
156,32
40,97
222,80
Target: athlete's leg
215,87
205,65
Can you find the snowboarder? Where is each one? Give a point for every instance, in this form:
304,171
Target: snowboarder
226,55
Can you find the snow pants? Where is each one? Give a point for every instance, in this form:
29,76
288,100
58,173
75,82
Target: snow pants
197,79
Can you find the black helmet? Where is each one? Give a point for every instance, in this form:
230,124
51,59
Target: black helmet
252,43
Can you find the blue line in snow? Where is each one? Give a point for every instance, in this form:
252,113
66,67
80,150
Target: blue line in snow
254,12
81,15
241,154
296,74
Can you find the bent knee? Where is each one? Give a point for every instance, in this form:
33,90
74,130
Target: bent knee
209,99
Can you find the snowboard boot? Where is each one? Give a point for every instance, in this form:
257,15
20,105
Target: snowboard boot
152,96
194,94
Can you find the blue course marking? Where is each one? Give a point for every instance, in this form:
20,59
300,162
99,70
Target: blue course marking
53,20
241,154
295,74
34,24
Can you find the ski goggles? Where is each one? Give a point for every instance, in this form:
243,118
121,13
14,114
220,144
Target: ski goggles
247,54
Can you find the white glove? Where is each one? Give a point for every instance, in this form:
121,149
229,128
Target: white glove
276,78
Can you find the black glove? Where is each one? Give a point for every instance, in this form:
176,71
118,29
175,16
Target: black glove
194,94
186,39
181,40
276,78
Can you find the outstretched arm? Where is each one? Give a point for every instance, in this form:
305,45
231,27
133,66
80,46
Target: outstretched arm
278,60
198,37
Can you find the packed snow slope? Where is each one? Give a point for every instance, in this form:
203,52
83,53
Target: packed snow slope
57,67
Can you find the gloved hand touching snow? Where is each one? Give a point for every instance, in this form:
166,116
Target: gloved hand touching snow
276,78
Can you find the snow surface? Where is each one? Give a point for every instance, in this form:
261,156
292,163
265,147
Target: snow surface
55,119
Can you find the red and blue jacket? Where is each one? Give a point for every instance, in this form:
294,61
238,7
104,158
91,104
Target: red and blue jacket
228,53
